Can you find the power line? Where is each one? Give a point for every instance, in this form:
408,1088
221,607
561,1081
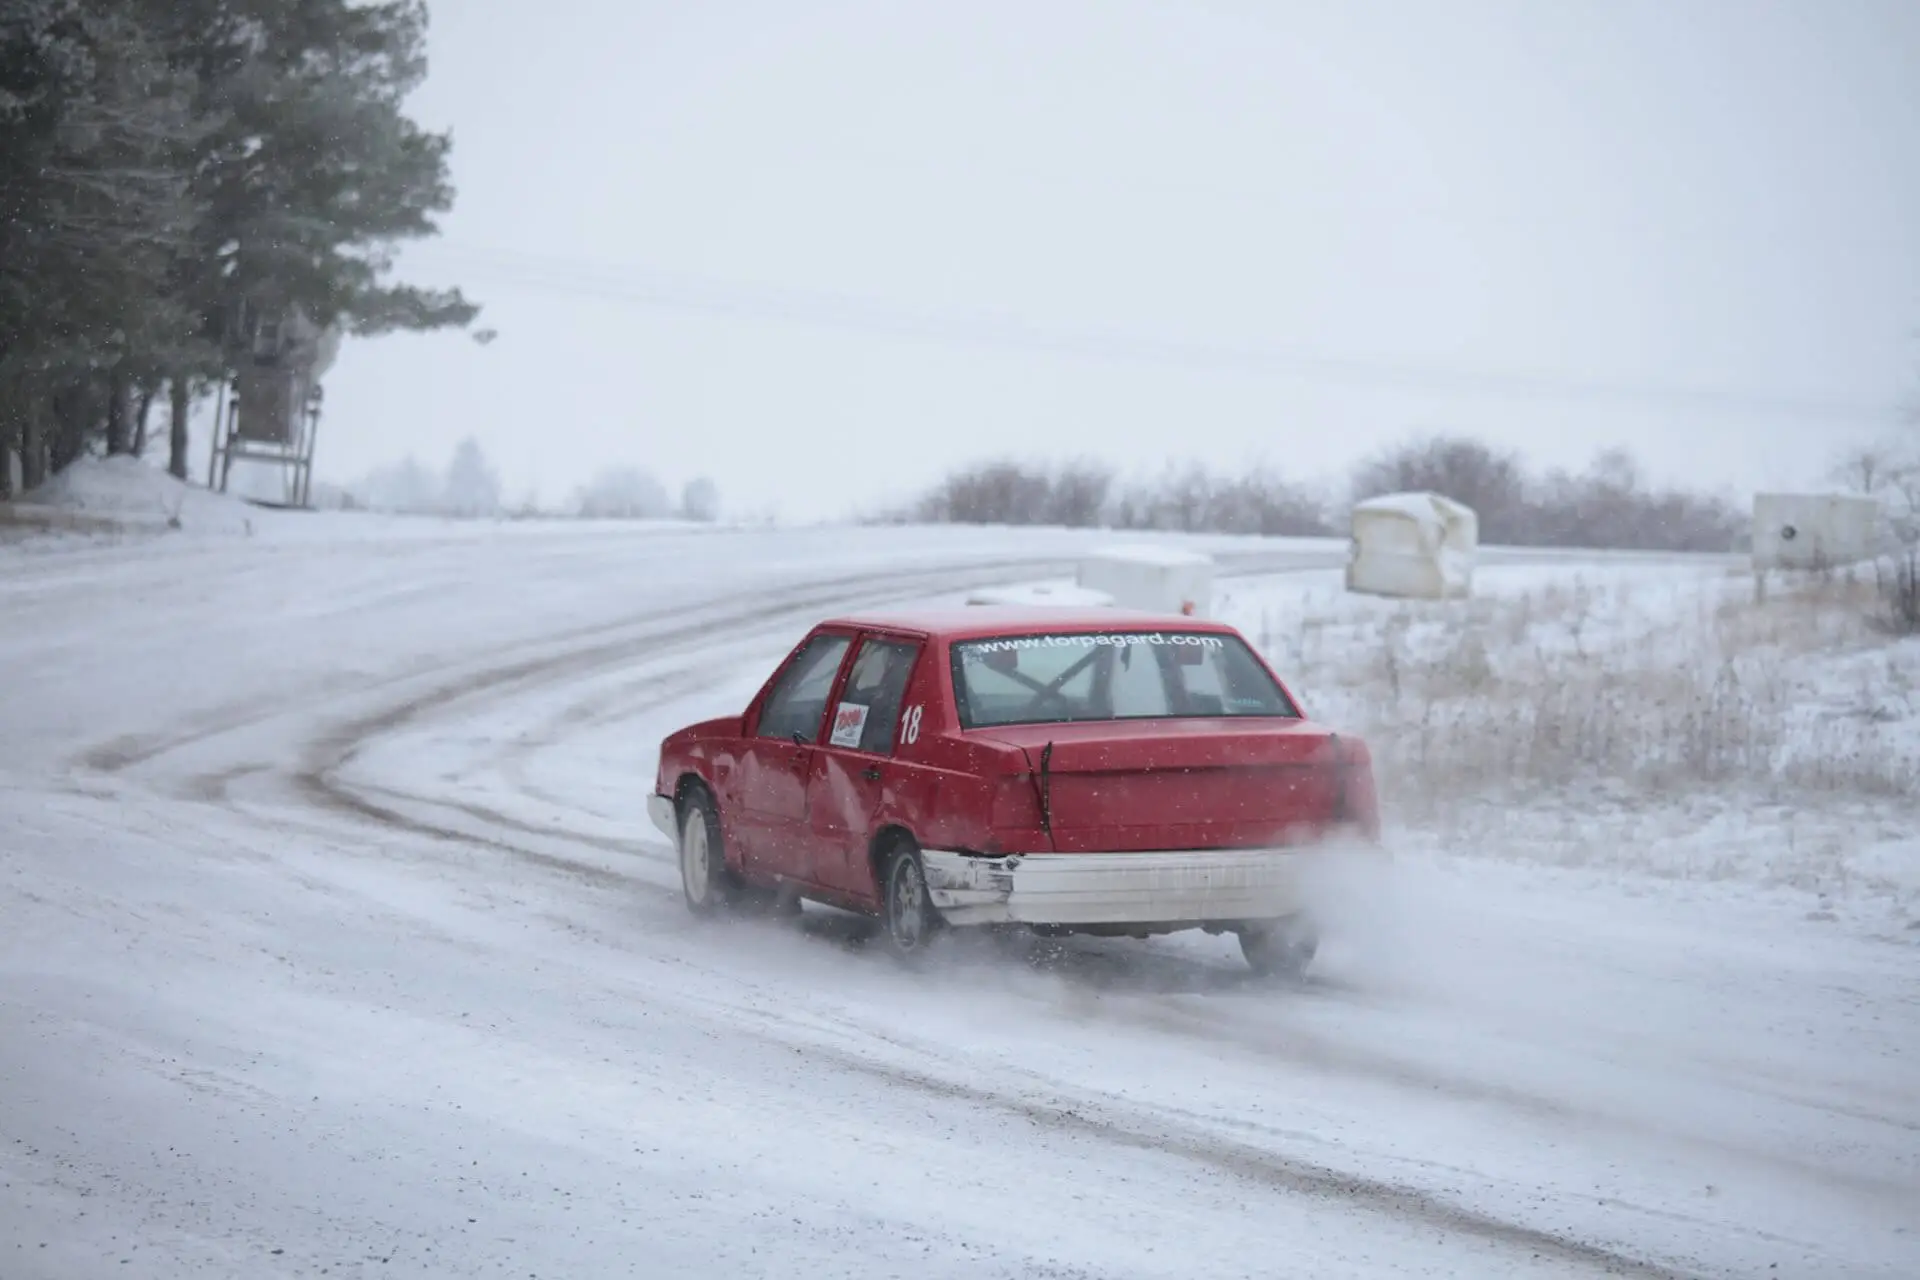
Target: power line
716,296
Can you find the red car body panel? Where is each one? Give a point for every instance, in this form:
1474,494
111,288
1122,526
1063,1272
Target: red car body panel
810,814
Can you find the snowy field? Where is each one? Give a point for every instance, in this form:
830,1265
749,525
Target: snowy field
334,939
1655,720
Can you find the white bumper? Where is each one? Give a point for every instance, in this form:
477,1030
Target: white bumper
1168,887
660,809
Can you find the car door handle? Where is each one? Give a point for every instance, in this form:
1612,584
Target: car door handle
871,773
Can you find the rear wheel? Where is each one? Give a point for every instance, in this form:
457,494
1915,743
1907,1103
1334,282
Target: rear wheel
1280,948
907,914
710,886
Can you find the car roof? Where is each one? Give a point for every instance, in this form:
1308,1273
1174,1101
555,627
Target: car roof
977,621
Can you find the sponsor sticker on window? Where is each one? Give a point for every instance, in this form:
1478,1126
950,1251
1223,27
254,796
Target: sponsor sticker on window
973,648
849,723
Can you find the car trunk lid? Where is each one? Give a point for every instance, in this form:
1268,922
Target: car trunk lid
1182,784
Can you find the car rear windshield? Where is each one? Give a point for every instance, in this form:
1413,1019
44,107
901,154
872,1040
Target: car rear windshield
1070,676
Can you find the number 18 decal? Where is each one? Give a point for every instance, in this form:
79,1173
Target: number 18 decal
910,725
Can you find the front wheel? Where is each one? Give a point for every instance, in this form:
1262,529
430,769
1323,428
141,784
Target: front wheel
1280,948
907,915
706,880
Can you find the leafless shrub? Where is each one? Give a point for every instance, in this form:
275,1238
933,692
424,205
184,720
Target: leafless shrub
1890,471
1608,505
1490,481
1011,493
1194,500
1897,578
1082,495
1806,614
1611,505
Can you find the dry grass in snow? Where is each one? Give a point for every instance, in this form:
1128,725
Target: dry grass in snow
1670,719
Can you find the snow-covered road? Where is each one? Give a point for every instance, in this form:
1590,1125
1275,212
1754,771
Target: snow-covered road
333,940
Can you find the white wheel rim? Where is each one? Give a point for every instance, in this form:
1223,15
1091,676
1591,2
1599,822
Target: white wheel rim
909,902
695,862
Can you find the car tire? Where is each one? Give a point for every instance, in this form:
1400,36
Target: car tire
1280,949
709,885
909,924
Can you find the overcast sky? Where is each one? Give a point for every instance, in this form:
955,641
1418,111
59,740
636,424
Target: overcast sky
825,250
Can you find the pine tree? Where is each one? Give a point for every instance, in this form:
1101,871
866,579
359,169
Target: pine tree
314,172
92,209
172,169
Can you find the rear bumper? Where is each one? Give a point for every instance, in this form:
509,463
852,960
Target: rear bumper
1184,887
660,809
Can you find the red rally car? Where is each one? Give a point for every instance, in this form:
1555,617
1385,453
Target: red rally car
1068,771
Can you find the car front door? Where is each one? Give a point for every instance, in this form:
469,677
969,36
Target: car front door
776,762
853,768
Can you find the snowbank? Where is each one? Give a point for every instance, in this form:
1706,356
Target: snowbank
129,493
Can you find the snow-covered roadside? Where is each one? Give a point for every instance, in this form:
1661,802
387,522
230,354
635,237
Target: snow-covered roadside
238,1017
343,1055
1652,720
128,494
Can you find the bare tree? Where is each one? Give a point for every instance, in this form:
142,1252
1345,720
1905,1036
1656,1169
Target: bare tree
1898,574
1491,481
1182,501
1903,479
1082,495
700,500
1078,495
625,493
1867,469
993,493
1608,505
1889,469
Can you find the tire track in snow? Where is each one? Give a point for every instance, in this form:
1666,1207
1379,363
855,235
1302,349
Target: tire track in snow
838,592
1147,1128
1136,1132
400,808
320,781
397,807
511,669
590,650
327,755
1319,1052
1314,1052
561,654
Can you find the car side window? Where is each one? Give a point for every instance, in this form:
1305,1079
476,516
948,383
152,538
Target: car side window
798,701
867,717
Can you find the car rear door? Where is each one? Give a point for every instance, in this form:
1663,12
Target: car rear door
854,768
775,763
